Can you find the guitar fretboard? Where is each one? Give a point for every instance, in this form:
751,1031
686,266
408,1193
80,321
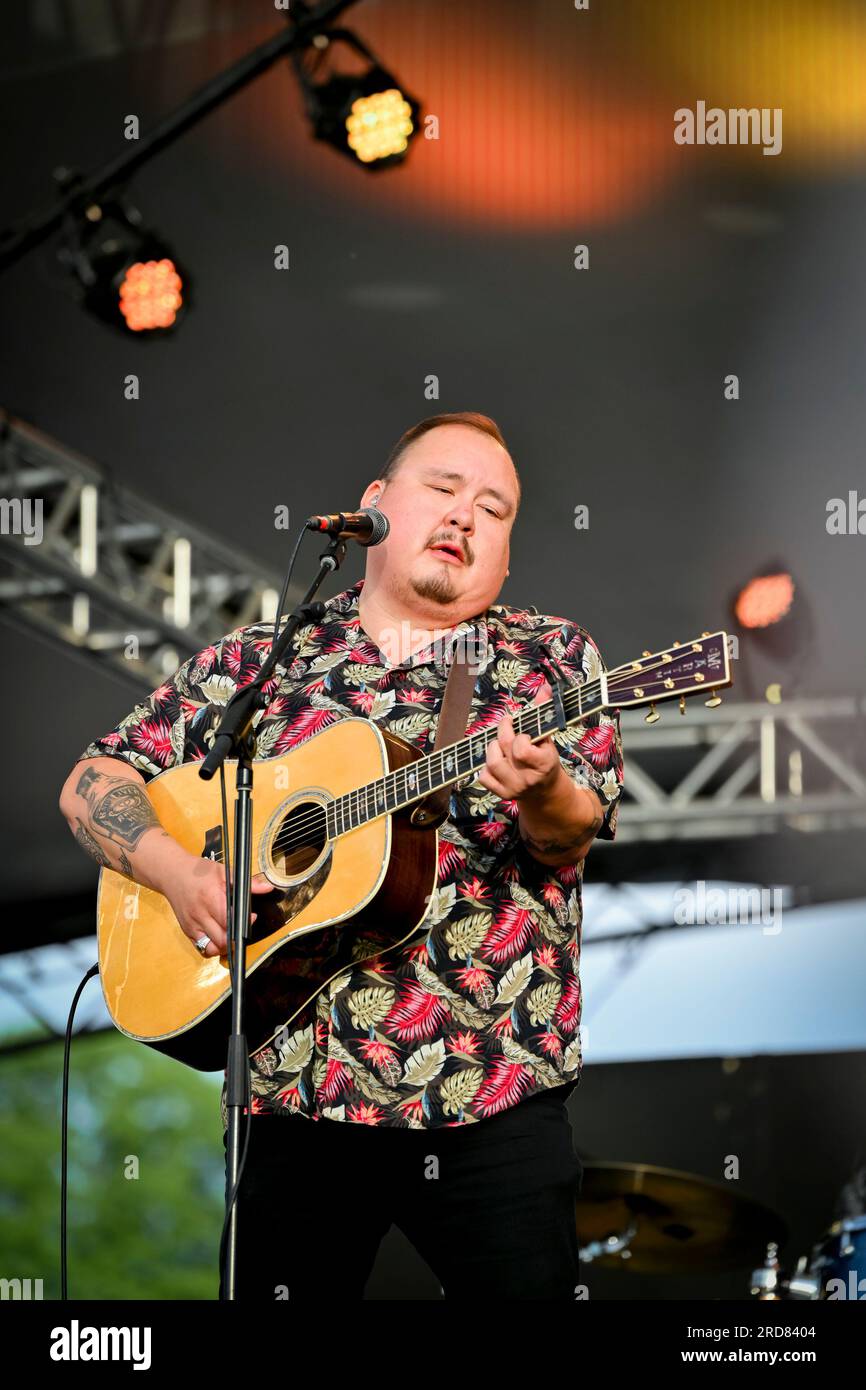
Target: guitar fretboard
405,785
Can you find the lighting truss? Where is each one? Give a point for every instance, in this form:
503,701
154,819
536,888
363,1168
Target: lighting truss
110,566
750,768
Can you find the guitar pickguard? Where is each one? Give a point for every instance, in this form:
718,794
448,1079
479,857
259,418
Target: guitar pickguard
213,843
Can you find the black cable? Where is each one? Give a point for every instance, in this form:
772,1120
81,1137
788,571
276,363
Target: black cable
286,583
64,1118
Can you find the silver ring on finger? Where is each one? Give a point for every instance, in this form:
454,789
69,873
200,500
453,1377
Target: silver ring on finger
202,944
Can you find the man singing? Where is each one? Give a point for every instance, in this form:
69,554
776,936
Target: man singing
426,1086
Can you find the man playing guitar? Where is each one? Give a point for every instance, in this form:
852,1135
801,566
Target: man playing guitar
425,1086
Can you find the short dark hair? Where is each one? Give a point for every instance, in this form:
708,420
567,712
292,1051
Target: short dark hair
461,417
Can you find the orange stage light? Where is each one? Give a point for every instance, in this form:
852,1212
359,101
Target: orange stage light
150,295
764,600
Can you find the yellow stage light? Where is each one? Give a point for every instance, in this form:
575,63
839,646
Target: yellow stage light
379,125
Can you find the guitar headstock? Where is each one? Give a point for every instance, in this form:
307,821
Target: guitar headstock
686,668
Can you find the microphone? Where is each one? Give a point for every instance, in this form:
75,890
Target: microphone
368,527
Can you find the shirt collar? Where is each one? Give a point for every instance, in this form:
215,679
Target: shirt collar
346,604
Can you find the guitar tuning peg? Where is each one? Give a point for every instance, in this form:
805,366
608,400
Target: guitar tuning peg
706,634
646,653
675,644
713,701
653,714
682,704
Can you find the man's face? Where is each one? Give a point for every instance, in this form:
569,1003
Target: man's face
454,485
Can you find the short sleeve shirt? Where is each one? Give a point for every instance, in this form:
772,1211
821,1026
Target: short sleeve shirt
481,1008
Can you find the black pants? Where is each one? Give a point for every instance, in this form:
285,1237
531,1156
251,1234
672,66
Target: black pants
489,1206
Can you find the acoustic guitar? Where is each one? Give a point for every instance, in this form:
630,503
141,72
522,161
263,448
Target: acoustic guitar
332,832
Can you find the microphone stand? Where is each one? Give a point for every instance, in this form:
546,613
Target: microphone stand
236,735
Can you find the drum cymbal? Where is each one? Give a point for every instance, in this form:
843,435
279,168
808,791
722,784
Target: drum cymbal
677,1221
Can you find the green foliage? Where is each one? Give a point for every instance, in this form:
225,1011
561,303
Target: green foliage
154,1235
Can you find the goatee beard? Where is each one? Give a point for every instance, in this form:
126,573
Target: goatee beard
437,588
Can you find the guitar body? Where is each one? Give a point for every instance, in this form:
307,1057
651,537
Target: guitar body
376,878
360,873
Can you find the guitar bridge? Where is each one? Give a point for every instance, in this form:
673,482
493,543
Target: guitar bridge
213,843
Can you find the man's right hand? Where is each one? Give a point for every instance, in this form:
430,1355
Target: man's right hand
139,846
196,891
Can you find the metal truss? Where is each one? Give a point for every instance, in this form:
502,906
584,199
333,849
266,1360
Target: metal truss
744,769
112,577
37,986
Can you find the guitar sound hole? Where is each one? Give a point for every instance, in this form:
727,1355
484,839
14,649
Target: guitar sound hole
300,838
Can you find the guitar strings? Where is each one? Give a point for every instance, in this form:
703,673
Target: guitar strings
297,832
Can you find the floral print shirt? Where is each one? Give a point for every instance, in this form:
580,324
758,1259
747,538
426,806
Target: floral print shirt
481,1008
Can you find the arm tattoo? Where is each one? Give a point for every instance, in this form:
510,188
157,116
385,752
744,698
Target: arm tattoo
122,812
91,846
89,780
554,846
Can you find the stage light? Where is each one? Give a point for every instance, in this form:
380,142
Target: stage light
127,275
150,295
765,600
365,115
380,125
775,627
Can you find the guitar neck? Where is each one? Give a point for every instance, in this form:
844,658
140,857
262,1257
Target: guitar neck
683,669
443,768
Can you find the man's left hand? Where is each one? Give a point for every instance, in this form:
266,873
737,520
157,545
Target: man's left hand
517,769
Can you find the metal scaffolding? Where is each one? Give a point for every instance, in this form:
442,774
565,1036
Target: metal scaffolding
114,578
745,769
